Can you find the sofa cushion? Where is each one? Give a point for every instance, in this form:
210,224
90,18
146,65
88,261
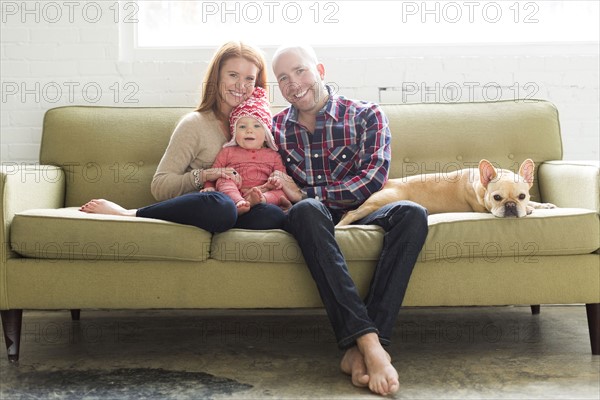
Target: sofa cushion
358,243
555,232
68,233
452,236
108,152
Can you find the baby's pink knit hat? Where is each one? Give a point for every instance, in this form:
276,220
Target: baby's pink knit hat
256,106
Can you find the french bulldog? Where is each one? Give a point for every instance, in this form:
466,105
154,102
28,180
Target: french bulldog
484,189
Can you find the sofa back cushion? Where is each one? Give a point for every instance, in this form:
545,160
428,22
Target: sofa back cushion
443,137
108,152
113,152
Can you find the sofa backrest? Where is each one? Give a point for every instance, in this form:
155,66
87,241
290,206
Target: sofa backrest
443,137
108,152
113,152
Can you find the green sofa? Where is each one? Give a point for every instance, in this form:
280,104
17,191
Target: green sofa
55,257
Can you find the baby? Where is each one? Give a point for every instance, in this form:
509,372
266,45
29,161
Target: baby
252,153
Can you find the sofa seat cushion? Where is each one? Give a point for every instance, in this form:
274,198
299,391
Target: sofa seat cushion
70,234
452,236
554,232
358,243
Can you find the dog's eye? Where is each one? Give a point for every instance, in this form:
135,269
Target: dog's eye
522,196
497,197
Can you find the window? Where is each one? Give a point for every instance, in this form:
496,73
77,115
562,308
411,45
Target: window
339,23
358,24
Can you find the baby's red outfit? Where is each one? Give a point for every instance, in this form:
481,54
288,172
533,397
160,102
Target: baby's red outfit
254,166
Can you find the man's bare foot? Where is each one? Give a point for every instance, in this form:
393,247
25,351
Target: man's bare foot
101,206
353,364
383,377
242,207
254,196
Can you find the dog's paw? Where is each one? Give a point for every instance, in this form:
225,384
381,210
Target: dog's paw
546,206
539,206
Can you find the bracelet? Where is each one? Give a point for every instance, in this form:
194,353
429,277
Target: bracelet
197,179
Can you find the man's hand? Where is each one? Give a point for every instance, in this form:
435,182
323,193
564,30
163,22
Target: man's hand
280,180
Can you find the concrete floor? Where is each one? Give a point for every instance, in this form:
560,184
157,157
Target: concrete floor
440,353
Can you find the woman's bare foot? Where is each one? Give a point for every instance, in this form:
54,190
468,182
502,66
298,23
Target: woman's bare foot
383,377
254,196
353,364
101,206
242,207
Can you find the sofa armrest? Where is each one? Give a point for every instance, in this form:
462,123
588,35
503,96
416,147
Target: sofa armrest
570,184
23,187
27,186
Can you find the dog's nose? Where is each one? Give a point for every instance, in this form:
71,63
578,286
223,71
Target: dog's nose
510,209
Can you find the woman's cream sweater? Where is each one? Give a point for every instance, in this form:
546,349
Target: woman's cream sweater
194,144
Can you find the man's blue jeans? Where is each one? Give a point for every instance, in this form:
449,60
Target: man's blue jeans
405,226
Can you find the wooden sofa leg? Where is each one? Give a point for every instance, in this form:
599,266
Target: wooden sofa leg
593,318
535,309
11,325
75,314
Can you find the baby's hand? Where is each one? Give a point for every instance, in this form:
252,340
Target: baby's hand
281,180
266,187
276,182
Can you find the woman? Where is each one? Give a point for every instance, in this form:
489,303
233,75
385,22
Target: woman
235,70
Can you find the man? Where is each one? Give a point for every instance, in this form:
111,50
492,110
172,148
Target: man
337,152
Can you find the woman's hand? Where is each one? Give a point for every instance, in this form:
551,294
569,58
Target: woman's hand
212,174
208,189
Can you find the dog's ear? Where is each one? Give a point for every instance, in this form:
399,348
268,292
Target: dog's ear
487,172
526,171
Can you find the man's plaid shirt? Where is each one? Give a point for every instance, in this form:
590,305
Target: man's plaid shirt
346,158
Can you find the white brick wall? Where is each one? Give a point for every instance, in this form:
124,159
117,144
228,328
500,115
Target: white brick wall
46,65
